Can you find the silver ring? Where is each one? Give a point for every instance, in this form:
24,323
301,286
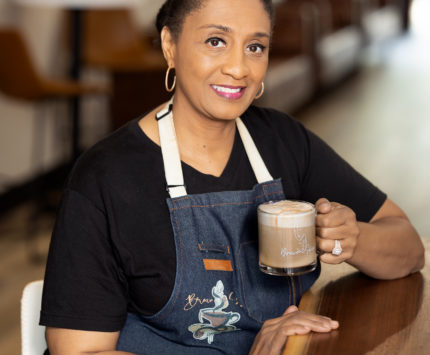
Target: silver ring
337,250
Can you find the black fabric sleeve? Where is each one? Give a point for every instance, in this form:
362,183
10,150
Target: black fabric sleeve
328,175
84,288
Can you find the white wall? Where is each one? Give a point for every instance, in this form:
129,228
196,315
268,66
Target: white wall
147,11
40,26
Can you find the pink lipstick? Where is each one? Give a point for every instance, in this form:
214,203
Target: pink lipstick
229,92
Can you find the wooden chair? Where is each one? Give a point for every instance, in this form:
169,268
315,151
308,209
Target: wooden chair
114,43
290,79
292,33
346,12
112,40
338,41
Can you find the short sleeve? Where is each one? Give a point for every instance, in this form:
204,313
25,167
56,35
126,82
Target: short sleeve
328,175
84,287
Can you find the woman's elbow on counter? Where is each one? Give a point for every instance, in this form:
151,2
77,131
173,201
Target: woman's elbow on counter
420,260
415,261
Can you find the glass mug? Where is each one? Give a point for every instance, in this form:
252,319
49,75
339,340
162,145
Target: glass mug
286,237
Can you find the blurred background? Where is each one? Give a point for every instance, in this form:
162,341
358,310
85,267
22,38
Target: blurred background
71,71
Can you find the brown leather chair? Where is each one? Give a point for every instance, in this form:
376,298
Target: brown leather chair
20,80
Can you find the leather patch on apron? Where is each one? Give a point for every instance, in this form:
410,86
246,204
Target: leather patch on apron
218,265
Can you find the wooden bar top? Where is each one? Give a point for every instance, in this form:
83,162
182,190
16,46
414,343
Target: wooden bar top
376,317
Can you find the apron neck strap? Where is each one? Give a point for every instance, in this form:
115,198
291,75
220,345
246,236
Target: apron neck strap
257,163
170,151
172,159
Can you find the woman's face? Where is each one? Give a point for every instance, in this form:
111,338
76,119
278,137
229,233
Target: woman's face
220,57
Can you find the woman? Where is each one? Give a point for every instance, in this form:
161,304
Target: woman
128,267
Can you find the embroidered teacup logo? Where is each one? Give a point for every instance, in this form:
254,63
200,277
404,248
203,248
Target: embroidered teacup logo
304,246
214,320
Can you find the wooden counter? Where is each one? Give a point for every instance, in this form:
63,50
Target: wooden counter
376,317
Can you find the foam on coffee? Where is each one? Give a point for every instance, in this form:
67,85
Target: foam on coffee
287,214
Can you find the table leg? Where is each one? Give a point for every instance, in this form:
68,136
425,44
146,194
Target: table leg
76,42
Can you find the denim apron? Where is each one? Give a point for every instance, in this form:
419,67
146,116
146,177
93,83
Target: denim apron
220,298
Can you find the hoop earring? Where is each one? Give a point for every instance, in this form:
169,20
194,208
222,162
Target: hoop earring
166,82
261,92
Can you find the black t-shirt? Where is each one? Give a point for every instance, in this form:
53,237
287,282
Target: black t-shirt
112,249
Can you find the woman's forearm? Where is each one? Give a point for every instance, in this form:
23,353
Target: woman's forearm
388,248
111,353
79,342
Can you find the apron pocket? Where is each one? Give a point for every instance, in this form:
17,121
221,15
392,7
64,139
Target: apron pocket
264,296
214,248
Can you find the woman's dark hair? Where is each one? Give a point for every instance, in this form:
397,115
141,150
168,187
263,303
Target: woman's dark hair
173,13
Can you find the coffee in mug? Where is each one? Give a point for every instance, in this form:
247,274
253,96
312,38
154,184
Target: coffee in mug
286,237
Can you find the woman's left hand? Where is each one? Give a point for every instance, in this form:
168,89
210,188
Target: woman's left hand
335,222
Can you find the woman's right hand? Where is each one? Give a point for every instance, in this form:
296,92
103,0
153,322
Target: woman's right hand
275,332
